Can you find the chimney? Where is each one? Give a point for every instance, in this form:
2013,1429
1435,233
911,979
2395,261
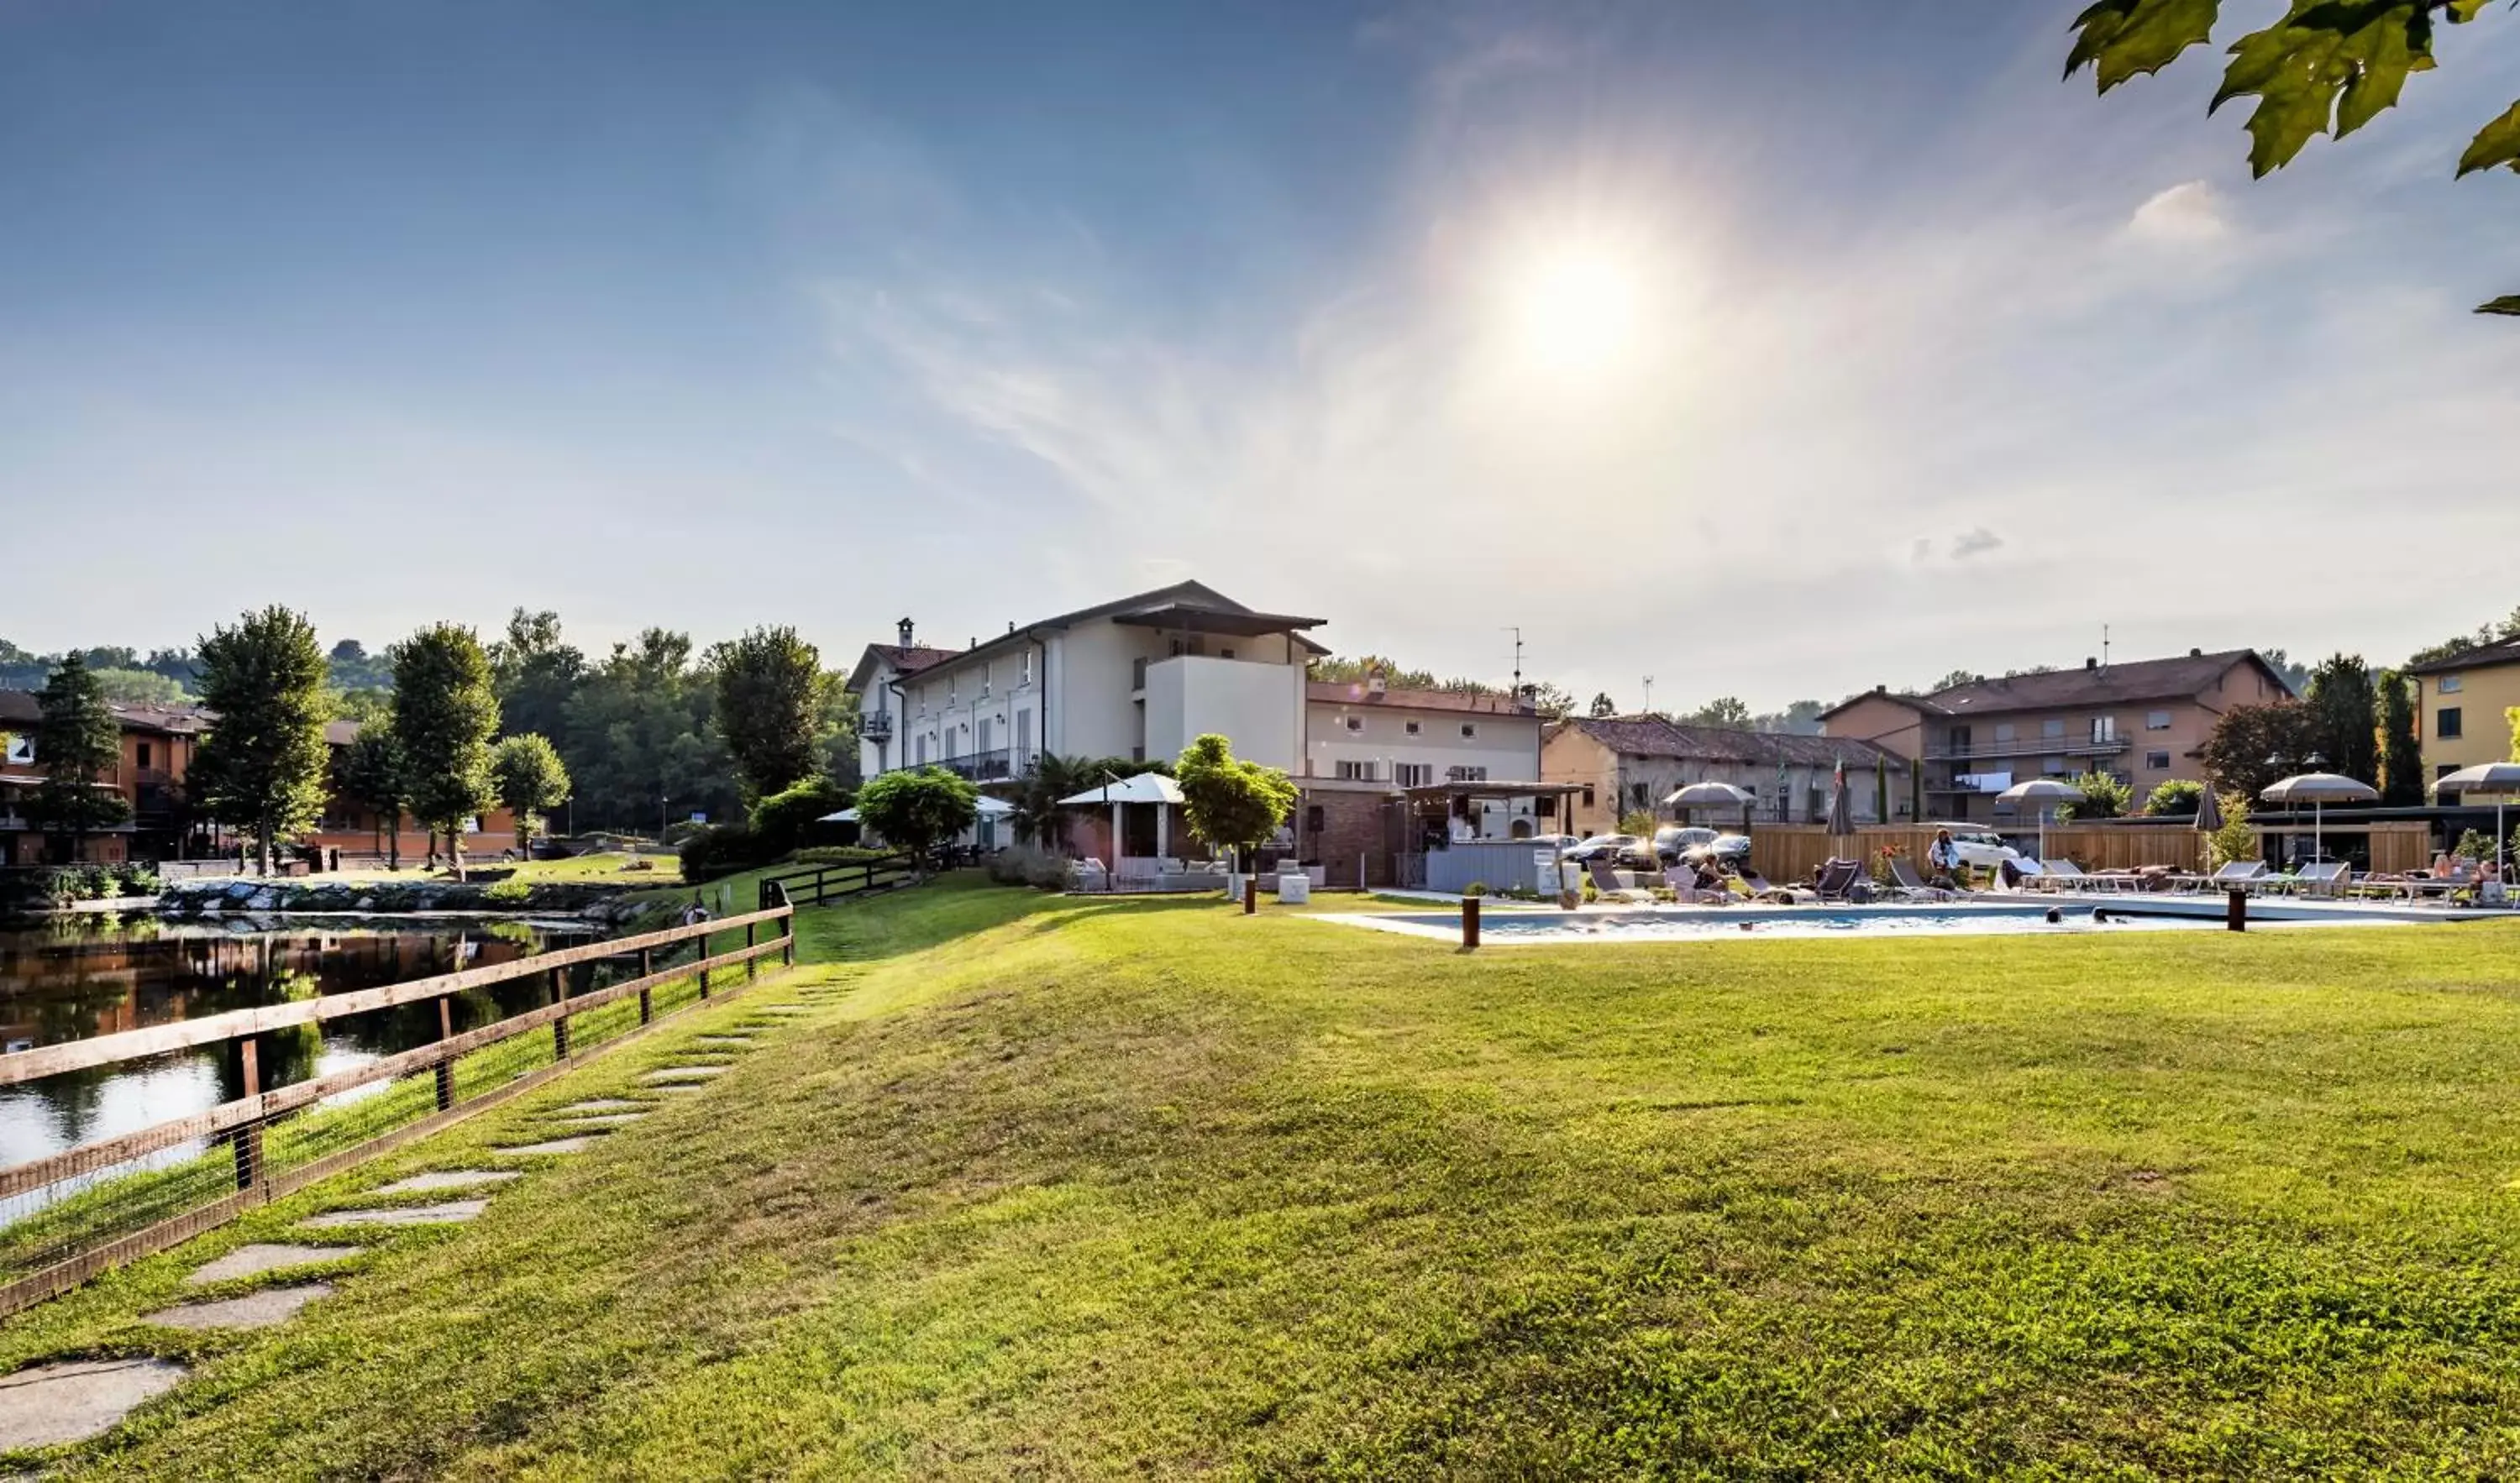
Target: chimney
905,633
2196,653
2090,663
1376,685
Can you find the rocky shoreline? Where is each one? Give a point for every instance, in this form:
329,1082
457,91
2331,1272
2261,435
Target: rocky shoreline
187,900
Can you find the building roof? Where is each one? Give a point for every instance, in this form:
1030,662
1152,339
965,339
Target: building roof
1183,605
2181,678
1656,737
24,708
1355,692
2482,657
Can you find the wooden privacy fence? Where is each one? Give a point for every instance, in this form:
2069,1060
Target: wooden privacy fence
1793,851
242,1123
820,885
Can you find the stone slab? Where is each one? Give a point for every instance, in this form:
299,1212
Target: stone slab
254,1310
443,1214
448,1179
722,1040
600,1105
267,1256
604,1119
52,1404
575,1143
680,1086
682,1073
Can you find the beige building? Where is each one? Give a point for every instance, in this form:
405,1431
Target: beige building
2145,722
2461,704
1626,763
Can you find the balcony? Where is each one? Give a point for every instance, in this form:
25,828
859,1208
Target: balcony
2050,746
981,767
875,725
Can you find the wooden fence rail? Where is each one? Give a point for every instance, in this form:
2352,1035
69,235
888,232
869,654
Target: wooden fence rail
821,884
241,1121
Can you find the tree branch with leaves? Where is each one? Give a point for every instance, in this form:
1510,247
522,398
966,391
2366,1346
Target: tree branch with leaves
2329,66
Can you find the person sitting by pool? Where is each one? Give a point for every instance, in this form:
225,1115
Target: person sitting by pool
1944,857
2490,888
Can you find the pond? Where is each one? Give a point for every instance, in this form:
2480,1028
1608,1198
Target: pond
69,979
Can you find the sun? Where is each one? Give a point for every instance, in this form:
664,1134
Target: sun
1577,308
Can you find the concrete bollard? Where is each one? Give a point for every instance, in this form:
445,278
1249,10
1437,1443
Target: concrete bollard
2235,911
1470,921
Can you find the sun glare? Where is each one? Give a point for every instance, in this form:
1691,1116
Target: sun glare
1576,309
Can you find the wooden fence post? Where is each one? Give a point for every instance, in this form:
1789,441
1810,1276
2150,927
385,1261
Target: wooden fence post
751,965
249,1136
705,952
647,966
1470,921
446,1066
559,1026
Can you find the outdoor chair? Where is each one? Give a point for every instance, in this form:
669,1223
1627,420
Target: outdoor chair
1906,882
1837,880
2329,879
2065,875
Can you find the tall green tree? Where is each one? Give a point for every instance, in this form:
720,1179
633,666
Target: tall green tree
263,765
530,778
444,713
918,809
1230,804
1602,704
2402,751
2346,712
2241,754
79,746
369,771
536,674
769,707
2327,66
640,740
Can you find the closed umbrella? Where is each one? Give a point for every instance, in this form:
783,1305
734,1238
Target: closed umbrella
2046,793
2209,823
1841,809
2496,778
2318,789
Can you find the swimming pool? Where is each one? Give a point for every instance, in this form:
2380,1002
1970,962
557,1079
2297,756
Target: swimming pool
1515,927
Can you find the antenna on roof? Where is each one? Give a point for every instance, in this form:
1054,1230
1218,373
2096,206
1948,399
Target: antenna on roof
2105,648
1516,631
1648,695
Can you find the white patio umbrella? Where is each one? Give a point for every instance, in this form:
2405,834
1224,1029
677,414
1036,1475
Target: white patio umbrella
985,807
2319,789
1712,794
1144,787
2046,792
2497,778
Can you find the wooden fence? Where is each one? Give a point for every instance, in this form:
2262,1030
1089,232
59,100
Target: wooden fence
242,1123
1793,851
817,885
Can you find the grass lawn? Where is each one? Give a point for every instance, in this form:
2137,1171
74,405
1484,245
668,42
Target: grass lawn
1068,1187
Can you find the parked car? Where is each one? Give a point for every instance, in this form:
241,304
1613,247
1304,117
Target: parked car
1602,847
1981,848
1671,841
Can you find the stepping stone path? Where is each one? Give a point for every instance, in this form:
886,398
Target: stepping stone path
450,1179
254,1310
52,1404
604,1119
681,1073
575,1143
446,1214
600,1105
724,1040
267,1256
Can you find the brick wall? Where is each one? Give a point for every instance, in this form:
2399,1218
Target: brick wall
1335,828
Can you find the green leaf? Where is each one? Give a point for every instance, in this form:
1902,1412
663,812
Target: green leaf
2508,303
2121,39
2339,63
2496,144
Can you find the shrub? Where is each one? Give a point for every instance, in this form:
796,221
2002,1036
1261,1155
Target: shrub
722,851
785,820
509,893
2235,840
2475,844
1475,888
2175,799
2104,797
1638,822
681,829
136,878
842,854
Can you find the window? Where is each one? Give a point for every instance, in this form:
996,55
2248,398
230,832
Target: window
1961,741
1480,775
2105,730
2451,685
1023,670
2003,732
2158,762
21,749
953,687
1353,724
1313,819
1588,795
2446,725
2445,769
2156,720
1356,772
1412,728
144,753
2051,728
1412,774
988,671
1468,729
1225,653
2053,767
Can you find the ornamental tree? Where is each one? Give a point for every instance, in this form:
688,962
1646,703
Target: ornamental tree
2238,754
369,771
919,809
528,772
79,746
1230,804
2346,706
2402,751
262,766
444,711
769,707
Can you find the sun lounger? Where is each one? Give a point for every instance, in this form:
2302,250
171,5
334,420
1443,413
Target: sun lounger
1906,882
2064,875
2329,879
1837,880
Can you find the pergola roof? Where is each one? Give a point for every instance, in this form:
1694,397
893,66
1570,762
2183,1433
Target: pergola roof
1184,617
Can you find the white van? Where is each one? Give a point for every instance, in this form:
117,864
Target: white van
1981,848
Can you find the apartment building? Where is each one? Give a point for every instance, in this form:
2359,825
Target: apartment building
1141,678
2462,705
2145,722
1624,764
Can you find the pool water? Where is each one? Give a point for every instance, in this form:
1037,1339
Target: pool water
1734,923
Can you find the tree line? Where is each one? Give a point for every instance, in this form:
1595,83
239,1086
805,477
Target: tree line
451,727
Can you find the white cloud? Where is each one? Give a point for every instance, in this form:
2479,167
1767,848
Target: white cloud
1974,542
2189,213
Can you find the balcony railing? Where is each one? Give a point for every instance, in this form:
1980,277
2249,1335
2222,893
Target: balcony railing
981,767
876,725
2051,747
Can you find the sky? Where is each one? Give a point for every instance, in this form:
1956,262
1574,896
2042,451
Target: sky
1774,351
